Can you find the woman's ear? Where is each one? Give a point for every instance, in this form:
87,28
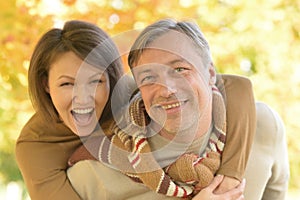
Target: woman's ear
46,85
212,74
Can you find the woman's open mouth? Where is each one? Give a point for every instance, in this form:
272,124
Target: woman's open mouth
82,116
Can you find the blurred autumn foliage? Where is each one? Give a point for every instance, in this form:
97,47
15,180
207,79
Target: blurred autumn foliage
254,38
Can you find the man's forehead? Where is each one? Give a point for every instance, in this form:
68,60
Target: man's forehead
159,56
170,46
172,41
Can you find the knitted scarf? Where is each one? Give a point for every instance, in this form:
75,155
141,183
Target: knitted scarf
127,149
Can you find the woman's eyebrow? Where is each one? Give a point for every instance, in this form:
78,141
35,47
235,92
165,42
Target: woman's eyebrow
97,74
66,76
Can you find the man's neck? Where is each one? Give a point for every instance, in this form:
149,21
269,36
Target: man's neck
187,135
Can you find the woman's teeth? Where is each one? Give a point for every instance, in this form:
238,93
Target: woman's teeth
82,116
83,111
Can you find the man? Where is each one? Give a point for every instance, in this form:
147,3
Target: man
174,72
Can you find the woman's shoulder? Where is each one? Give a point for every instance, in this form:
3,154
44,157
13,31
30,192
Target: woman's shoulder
38,129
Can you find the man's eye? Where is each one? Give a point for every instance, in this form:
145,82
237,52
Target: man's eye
180,69
148,79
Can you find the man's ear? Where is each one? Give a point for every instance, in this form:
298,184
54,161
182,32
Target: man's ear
212,74
46,85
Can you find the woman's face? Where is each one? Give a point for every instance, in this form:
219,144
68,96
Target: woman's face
79,92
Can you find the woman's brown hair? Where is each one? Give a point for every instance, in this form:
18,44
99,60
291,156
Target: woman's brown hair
89,43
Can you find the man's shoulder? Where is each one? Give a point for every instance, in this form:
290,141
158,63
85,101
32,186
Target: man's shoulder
266,115
269,123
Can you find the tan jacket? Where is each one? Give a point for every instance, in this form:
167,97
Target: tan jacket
42,151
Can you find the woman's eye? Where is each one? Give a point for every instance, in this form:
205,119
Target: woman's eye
96,81
66,84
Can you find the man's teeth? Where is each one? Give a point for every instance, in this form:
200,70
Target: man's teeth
83,111
174,105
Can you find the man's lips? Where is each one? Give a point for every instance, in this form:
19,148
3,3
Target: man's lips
170,105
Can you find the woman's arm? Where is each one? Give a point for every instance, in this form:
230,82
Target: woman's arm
42,151
208,192
43,173
241,125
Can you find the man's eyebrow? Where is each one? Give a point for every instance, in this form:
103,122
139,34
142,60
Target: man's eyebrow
179,60
168,63
144,71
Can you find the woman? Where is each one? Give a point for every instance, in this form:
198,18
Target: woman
72,74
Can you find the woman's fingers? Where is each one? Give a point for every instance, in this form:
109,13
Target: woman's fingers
208,192
237,193
215,183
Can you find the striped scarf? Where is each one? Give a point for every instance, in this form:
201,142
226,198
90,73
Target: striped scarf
126,148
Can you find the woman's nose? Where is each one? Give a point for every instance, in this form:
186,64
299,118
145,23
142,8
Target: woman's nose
82,94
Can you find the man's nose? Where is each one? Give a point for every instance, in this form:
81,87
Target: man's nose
168,86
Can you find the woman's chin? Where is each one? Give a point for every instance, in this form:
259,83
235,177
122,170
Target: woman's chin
84,126
83,131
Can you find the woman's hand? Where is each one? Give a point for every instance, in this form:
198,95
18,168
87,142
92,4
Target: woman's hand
227,184
208,192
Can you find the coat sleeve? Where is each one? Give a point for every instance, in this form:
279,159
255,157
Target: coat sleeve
43,167
241,124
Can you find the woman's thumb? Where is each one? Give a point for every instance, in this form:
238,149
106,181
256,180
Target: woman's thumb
216,182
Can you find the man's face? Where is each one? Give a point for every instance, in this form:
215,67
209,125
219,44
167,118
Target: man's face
174,84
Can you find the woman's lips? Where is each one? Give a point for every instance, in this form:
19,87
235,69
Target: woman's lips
82,116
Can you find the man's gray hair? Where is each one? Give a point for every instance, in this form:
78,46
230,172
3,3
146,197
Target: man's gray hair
161,27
